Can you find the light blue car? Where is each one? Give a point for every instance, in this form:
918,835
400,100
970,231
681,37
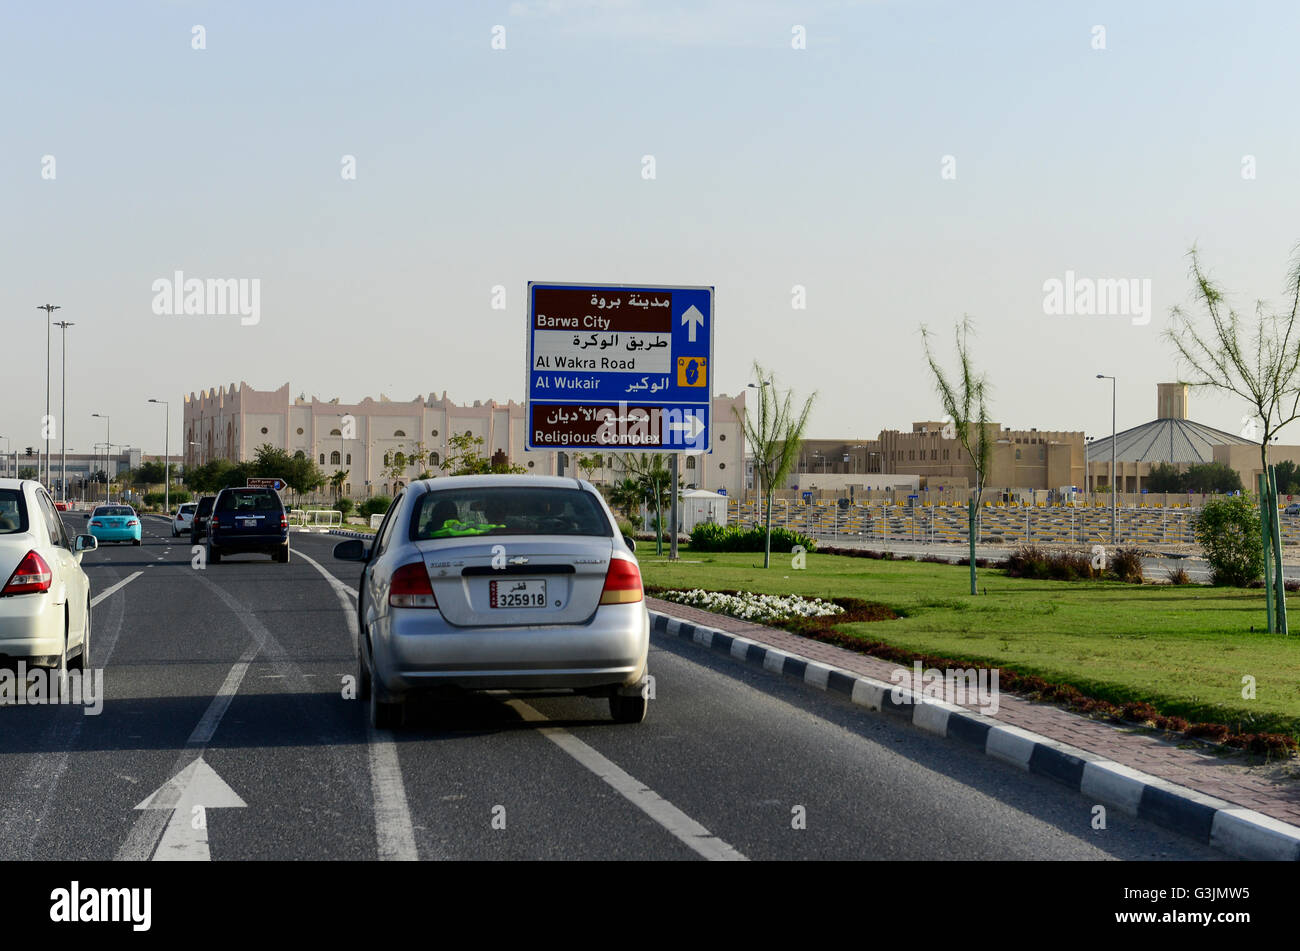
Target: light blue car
115,523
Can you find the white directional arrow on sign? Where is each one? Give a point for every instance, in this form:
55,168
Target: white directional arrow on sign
692,425
693,320
186,836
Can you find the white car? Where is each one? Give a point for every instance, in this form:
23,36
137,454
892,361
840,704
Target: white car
45,600
183,520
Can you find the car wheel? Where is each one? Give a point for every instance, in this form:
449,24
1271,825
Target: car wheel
135,541
628,709
214,556
282,555
82,661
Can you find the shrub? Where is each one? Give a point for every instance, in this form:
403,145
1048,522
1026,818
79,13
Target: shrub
1126,565
1030,561
376,506
1178,576
344,506
710,536
1228,532
626,528
1210,731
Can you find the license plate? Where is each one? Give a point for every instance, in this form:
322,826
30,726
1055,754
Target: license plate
529,593
249,522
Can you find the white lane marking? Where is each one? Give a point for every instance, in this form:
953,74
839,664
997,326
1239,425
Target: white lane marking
110,590
394,833
141,841
634,791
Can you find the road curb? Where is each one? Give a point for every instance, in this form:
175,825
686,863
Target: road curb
1240,832
346,534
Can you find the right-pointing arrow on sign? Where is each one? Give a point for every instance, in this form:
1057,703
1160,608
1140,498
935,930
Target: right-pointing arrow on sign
691,425
693,320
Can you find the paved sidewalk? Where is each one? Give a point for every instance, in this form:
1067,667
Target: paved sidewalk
1265,789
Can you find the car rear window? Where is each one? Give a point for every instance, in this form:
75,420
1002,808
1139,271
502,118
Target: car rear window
13,512
187,509
252,501
205,504
508,510
104,510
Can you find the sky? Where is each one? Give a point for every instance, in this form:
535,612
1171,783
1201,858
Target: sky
913,163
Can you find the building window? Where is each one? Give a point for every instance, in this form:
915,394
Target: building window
336,432
469,434
722,465
530,463
265,430
299,430
322,458
334,458
349,458
690,462
1017,451
387,460
1040,452
300,454
934,454
399,432
945,455
433,459
435,432
722,437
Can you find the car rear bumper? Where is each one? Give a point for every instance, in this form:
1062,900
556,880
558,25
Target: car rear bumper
116,534
31,625
417,649
239,544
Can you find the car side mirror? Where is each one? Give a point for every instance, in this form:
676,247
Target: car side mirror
85,515
631,542
85,543
354,549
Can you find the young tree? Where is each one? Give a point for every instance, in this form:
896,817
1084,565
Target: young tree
1263,368
464,457
653,480
774,433
589,463
624,496
964,401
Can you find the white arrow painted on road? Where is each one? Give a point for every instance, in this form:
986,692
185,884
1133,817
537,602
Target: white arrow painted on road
186,836
693,320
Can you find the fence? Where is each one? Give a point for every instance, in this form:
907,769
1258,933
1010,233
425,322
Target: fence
1018,524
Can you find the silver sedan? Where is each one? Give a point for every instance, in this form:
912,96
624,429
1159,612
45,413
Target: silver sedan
500,582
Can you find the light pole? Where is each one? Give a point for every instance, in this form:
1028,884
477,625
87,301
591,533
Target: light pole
1114,497
63,415
49,312
167,458
108,435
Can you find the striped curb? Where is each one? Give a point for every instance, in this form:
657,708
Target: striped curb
347,534
1240,832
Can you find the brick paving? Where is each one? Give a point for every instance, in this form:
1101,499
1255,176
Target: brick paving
1272,789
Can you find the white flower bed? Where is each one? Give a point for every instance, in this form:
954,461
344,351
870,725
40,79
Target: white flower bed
754,607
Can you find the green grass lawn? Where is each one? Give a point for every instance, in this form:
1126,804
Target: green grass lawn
1183,649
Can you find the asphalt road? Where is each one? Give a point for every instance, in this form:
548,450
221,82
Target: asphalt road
231,678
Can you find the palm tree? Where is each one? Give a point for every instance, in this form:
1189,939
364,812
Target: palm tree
775,435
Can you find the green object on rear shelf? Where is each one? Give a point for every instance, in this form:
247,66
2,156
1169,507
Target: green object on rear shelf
453,528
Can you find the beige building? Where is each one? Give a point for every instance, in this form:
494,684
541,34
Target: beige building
365,438
1174,438
1021,459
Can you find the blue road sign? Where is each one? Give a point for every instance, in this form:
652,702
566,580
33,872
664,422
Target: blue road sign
619,367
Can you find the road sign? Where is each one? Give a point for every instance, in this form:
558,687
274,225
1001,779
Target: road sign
807,496
256,483
619,367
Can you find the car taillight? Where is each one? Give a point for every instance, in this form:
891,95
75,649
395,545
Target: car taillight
410,587
622,583
284,521
32,575
96,523
131,522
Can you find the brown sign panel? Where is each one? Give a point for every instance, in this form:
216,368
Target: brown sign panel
599,427
609,309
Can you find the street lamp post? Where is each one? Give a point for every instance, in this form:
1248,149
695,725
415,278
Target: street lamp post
63,415
108,435
167,457
1114,497
49,312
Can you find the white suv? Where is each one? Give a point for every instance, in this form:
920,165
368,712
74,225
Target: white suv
45,600
183,520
